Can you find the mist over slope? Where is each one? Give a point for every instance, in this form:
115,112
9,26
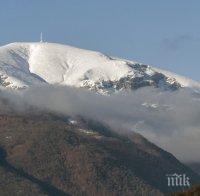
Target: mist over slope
160,115
169,119
48,151
29,64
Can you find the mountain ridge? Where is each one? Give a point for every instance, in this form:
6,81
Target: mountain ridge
27,64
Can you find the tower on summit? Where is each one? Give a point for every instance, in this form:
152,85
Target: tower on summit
41,37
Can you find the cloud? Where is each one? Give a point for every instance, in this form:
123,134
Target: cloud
168,119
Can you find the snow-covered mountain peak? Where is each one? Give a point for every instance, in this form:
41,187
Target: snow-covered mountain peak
27,64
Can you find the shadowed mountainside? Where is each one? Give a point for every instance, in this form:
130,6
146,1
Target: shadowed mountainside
195,166
195,191
42,153
51,155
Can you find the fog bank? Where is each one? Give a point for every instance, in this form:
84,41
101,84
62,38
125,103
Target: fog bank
169,119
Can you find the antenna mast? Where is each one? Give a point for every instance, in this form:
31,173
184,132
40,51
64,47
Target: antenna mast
41,37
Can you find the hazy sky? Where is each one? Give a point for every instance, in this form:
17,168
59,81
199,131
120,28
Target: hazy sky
158,32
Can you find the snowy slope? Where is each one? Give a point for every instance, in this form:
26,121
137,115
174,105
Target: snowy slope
27,64
184,81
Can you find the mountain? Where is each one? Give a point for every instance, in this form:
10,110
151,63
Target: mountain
44,153
27,64
195,166
194,191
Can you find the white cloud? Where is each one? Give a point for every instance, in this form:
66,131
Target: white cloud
168,119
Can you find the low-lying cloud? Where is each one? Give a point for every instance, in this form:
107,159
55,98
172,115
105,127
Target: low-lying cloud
168,119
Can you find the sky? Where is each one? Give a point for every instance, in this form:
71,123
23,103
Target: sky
162,33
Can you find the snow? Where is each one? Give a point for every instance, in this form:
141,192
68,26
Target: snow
59,64
73,122
150,105
14,66
185,82
27,64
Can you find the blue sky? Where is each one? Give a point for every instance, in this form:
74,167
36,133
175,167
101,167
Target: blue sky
157,32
